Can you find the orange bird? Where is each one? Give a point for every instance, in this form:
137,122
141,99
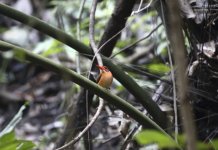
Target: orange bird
105,78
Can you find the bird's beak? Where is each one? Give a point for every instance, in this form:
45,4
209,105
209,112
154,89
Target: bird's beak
100,67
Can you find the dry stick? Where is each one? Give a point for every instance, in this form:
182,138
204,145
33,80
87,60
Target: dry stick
174,86
141,9
177,43
92,32
136,42
128,137
100,107
174,95
99,60
78,33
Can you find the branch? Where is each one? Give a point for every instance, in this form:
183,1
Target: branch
136,42
116,23
92,33
76,139
178,46
141,95
23,54
78,24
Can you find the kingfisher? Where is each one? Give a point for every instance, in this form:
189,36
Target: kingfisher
105,78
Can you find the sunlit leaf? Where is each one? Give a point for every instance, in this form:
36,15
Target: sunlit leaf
214,143
25,145
162,48
54,48
158,68
21,56
9,142
203,146
200,145
154,137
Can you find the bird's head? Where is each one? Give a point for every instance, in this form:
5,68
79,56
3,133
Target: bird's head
103,68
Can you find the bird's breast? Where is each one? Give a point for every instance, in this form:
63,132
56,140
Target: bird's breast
106,79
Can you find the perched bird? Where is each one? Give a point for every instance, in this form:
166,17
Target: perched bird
105,78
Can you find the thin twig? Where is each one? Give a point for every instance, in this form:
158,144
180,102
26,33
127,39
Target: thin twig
174,95
100,48
92,32
99,60
100,107
136,42
177,43
174,86
141,9
78,33
82,4
128,137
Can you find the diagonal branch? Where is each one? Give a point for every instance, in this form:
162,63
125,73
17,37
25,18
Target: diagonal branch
115,24
23,54
141,95
77,138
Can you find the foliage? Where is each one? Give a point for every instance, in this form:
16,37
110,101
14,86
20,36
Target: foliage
153,137
147,137
158,68
8,140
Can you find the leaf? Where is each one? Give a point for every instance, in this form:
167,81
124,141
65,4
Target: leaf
54,48
214,143
158,68
25,145
9,142
200,144
203,146
154,137
49,47
162,48
21,56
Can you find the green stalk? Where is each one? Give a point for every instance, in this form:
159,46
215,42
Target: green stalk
67,74
141,95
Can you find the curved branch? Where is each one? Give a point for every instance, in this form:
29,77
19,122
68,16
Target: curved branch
76,139
136,42
92,32
141,95
23,54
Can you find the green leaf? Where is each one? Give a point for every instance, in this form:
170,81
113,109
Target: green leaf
9,142
158,68
154,137
21,56
49,47
7,138
162,48
25,145
54,48
200,144
203,146
214,143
